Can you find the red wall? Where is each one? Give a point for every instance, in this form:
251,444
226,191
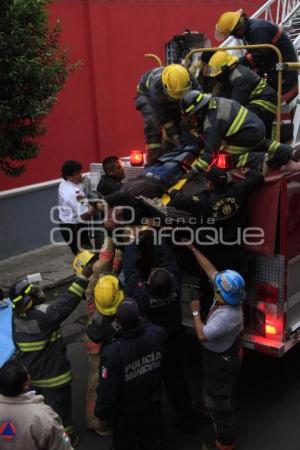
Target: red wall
95,114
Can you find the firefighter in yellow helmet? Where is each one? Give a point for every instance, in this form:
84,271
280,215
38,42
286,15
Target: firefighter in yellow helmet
109,260
259,31
39,340
239,83
82,259
108,295
158,94
225,123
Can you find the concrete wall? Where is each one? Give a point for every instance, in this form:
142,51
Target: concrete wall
25,218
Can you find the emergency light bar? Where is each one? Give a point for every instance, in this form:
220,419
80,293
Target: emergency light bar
136,158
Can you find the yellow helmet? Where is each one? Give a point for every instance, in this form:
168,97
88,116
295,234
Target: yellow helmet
226,24
176,80
81,260
108,294
220,61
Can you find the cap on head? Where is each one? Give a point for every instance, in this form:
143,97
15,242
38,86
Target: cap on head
219,177
128,313
220,61
231,286
160,282
108,294
192,101
226,24
81,260
176,80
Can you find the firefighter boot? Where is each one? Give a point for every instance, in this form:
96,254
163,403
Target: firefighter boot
296,154
220,446
101,428
281,156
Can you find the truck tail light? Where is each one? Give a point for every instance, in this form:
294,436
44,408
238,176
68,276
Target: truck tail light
270,329
271,326
267,293
136,158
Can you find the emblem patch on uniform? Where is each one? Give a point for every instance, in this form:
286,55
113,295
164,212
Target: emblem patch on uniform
9,430
104,373
79,197
226,210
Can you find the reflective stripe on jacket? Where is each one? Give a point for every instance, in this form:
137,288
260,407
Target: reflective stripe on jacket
245,86
229,124
39,339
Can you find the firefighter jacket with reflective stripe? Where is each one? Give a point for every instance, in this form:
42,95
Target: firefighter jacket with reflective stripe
221,208
130,369
246,87
228,124
259,31
28,424
37,335
162,311
158,109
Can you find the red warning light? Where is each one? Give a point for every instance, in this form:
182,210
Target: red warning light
223,161
136,158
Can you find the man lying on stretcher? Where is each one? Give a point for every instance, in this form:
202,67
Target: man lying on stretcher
169,177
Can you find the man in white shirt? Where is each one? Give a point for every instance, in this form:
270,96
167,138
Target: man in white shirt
74,208
220,336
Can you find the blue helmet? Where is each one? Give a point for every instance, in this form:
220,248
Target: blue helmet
231,286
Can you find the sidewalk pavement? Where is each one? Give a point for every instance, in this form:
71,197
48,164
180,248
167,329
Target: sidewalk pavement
54,262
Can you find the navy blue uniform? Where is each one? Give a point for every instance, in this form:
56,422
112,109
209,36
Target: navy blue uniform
259,31
247,88
241,132
129,387
159,112
225,205
165,312
224,215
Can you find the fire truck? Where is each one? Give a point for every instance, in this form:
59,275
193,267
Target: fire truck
272,306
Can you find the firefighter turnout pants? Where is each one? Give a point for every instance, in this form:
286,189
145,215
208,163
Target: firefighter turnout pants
255,148
60,399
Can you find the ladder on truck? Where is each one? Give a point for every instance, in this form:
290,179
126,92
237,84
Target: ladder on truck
272,306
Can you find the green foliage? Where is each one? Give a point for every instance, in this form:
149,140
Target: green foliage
33,68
